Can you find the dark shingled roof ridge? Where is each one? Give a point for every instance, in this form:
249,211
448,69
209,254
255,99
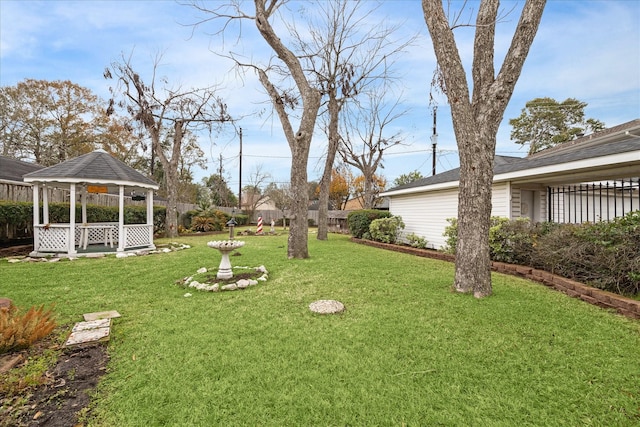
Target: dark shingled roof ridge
97,165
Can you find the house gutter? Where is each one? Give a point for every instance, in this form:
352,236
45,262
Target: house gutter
413,190
615,160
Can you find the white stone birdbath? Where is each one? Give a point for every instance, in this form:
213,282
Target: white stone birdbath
225,247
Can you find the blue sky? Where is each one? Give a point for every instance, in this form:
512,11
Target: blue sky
584,49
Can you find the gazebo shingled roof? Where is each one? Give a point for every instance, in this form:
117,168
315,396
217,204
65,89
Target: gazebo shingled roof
95,166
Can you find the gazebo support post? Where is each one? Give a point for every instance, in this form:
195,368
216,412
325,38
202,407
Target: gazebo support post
83,199
45,205
36,218
72,219
121,236
150,216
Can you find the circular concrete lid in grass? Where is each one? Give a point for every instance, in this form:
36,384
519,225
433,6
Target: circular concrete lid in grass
325,306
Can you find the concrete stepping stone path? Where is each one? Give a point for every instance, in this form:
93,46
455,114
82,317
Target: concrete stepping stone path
95,328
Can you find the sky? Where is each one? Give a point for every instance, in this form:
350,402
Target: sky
584,49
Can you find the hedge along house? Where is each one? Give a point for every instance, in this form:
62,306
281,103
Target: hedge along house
96,172
593,178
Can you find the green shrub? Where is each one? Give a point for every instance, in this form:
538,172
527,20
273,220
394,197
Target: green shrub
210,221
19,216
16,220
502,237
386,230
512,241
451,234
242,219
202,223
416,241
359,221
603,254
186,218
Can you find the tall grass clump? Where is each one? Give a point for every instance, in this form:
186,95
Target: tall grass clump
19,331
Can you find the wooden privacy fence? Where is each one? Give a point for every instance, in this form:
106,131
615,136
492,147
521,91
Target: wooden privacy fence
336,221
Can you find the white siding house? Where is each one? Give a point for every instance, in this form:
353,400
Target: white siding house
595,177
427,214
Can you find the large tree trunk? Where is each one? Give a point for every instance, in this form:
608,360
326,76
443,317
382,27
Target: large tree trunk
473,263
299,225
170,167
171,220
325,182
476,121
300,141
323,208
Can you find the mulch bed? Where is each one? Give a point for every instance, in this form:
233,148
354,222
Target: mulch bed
64,393
15,250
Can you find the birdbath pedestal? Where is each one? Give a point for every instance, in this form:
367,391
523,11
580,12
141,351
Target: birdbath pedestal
225,247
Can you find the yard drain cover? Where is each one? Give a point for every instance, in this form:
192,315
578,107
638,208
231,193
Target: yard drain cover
326,306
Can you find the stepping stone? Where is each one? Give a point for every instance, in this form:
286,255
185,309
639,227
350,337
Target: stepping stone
89,332
91,324
101,315
326,306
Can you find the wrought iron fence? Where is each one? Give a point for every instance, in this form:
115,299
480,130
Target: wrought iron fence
594,201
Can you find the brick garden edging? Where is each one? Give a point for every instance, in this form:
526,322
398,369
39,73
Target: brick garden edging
625,306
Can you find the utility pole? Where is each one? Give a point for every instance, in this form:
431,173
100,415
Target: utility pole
222,197
434,141
240,177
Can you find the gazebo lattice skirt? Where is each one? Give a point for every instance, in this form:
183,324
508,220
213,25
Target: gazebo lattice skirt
137,235
52,239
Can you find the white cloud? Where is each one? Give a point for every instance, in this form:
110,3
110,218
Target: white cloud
588,50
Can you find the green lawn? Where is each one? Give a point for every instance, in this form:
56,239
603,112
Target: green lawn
407,351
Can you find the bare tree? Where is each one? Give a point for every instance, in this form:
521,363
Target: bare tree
165,113
280,196
365,141
476,118
347,51
301,96
253,193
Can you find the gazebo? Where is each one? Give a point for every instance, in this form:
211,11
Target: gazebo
95,172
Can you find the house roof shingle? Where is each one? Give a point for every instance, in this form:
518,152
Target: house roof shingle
615,140
13,170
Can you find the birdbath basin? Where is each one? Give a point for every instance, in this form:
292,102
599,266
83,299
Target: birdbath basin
225,247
